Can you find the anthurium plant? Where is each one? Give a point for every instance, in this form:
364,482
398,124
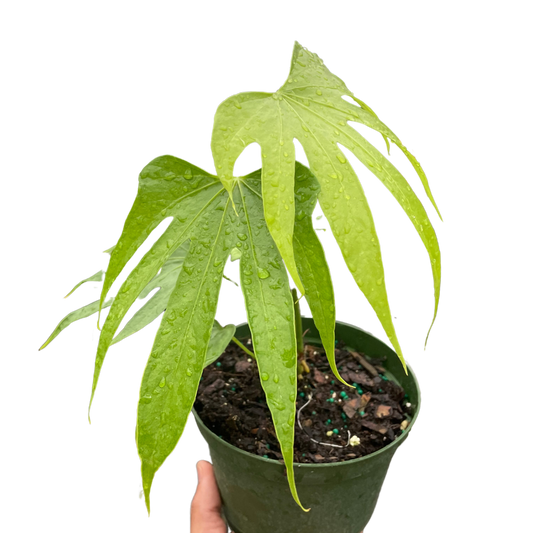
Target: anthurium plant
263,220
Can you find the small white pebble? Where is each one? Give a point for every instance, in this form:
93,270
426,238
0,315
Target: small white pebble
327,377
249,341
404,424
249,359
315,353
339,400
407,404
355,440
334,395
329,433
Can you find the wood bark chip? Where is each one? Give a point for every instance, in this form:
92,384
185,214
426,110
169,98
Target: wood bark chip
383,411
365,398
373,426
350,408
365,364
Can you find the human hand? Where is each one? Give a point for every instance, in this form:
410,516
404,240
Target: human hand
206,504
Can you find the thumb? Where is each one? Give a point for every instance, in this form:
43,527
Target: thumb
206,504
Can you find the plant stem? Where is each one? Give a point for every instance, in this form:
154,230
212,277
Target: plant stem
298,319
242,347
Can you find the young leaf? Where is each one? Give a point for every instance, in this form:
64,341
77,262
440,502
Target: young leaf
95,277
220,338
310,108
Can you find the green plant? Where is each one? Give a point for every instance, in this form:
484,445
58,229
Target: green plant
264,221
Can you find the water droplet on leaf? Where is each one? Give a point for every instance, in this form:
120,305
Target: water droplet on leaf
263,273
277,404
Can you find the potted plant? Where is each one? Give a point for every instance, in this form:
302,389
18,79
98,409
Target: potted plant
264,220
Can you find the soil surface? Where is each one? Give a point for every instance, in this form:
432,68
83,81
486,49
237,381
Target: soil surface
357,421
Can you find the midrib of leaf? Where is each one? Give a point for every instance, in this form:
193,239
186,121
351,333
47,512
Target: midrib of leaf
148,467
263,350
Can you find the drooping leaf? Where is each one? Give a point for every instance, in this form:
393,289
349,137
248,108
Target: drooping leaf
310,108
99,276
269,309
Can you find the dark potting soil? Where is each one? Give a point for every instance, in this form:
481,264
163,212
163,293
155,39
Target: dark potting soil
232,404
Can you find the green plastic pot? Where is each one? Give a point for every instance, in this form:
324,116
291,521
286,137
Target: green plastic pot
342,496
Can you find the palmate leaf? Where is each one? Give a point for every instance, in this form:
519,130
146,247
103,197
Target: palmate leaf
203,213
309,107
153,308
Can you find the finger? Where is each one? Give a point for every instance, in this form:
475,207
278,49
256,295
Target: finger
207,490
206,504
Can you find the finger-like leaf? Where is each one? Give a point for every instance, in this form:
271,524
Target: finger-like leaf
175,365
82,312
149,307
312,265
270,312
310,108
